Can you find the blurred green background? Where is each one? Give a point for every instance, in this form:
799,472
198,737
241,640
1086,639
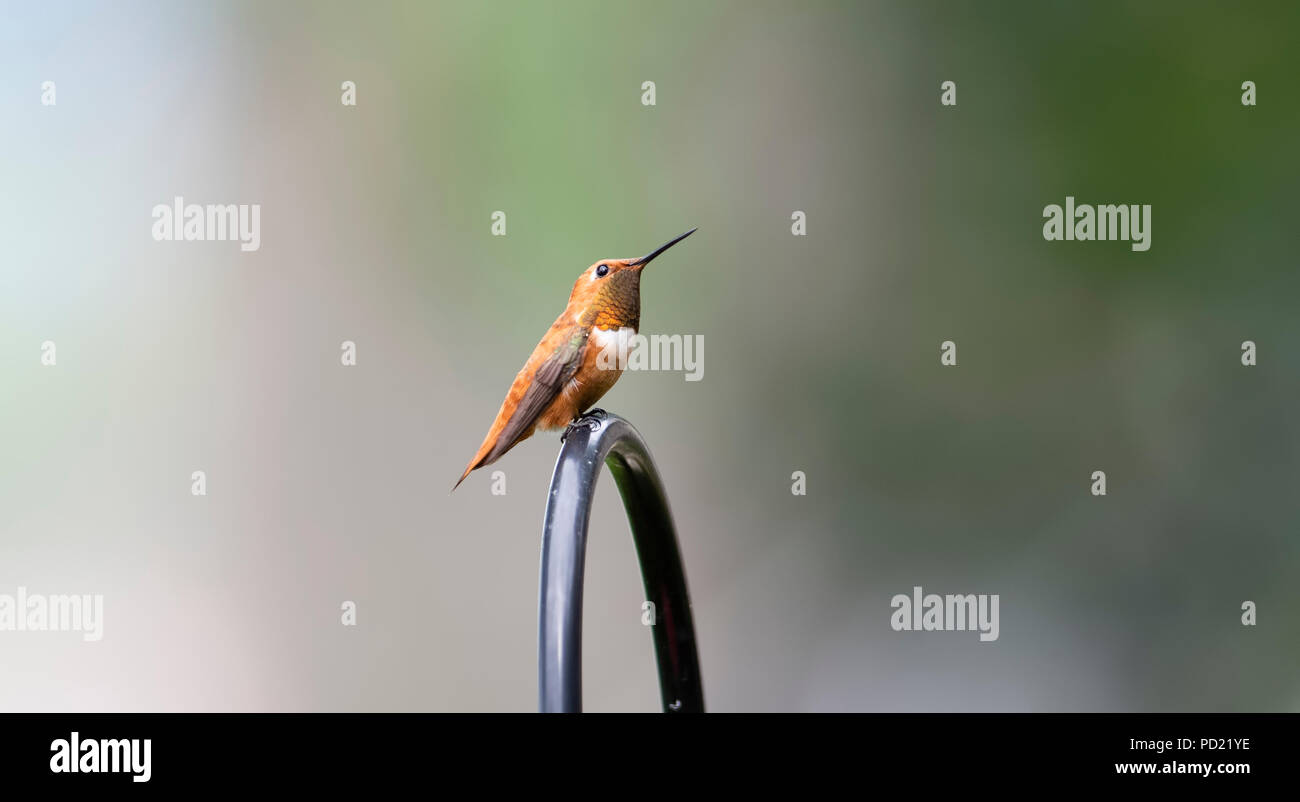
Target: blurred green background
924,224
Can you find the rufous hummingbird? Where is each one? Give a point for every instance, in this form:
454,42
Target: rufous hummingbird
565,375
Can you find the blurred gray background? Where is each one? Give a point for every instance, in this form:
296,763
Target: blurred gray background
328,483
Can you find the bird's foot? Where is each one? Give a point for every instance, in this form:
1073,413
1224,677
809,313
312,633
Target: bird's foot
590,420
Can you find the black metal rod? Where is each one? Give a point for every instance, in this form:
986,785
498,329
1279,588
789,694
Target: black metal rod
600,437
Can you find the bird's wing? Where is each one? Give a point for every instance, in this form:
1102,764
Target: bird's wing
551,376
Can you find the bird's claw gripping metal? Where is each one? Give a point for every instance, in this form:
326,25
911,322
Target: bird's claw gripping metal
591,420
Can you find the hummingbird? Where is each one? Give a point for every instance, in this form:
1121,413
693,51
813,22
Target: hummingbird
564,376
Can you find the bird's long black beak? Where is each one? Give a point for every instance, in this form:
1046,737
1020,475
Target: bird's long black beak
645,260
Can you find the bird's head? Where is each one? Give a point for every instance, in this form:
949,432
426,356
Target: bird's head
608,294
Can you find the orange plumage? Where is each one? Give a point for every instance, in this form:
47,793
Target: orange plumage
565,375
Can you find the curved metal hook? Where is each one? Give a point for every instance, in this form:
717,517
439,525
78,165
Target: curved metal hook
600,437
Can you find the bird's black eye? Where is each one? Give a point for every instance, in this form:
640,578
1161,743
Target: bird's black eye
602,270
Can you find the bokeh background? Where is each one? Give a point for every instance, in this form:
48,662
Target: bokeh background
821,354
